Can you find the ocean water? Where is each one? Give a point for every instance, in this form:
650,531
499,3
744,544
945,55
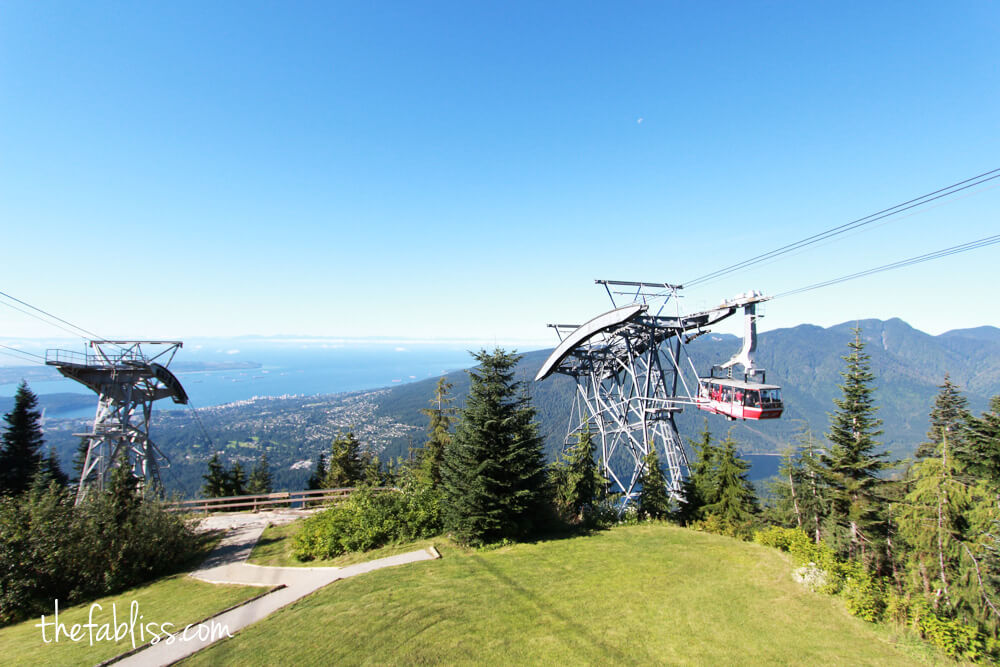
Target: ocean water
286,369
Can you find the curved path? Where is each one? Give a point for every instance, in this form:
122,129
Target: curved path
226,565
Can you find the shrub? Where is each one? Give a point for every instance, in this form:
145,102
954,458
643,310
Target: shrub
783,539
50,549
370,519
713,523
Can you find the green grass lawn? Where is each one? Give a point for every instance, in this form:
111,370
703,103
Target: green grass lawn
651,594
176,599
274,549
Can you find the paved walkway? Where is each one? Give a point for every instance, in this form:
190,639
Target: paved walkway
226,565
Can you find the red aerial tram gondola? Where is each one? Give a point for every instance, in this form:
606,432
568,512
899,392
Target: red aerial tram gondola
742,399
739,399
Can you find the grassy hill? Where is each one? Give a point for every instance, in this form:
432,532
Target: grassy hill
651,594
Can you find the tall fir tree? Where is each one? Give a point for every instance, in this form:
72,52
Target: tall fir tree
735,499
440,417
260,477
318,475
934,528
979,450
50,470
948,417
493,472
654,501
346,465
21,443
700,486
850,468
216,480
236,481
577,482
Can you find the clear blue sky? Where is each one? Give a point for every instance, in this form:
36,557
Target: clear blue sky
465,170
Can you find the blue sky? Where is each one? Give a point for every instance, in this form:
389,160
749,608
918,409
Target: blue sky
466,170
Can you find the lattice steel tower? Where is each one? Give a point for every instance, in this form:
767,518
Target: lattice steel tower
127,379
633,376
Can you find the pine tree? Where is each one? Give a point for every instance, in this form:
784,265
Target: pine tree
949,415
576,480
260,477
346,466
850,469
21,444
980,448
80,458
493,473
784,507
236,481
654,501
933,525
318,475
216,481
440,417
700,487
50,471
736,500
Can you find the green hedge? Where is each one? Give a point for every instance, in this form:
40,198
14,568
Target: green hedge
367,520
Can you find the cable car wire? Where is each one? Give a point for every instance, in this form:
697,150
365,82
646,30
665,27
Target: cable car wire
14,349
854,224
937,254
47,314
30,361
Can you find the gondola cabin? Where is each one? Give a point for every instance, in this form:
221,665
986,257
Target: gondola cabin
737,399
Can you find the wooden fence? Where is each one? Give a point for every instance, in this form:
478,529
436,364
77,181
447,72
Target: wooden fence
265,501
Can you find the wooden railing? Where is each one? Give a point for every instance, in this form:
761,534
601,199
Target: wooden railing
265,501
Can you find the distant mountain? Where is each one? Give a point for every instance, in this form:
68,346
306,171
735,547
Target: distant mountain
909,365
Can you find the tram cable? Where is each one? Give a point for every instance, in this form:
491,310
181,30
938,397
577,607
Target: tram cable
937,254
852,225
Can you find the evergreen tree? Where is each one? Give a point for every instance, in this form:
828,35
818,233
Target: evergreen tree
346,466
440,417
700,487
949,415
216,481
80,458
784,507
260,477
797,491
372,474
736,500
236,481
576,480
123,489
980,448
933,523
318,475
493,473
21,444
654,501
50,471
850,469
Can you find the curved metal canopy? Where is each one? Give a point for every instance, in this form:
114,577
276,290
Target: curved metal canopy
171,382
603,322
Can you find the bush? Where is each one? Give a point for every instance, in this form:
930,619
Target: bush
713,523
783,539
370,519
50,549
